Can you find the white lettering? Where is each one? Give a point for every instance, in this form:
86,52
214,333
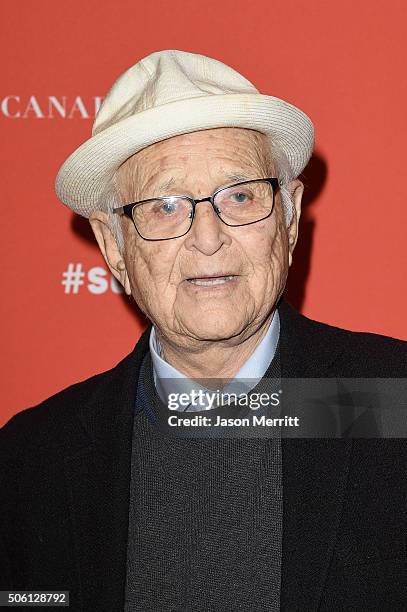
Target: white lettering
14,107
54,102
98,101
78,105
98,281
5,109
115,285
34,107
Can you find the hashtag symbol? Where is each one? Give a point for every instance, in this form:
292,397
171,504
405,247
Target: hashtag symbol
73,278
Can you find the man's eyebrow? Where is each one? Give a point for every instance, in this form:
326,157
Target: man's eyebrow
239,176
229,177
166,184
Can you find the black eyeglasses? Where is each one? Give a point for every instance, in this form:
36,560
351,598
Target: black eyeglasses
168,217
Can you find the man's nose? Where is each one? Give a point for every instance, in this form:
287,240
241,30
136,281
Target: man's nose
207,233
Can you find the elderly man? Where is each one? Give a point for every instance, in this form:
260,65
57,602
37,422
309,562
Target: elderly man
190,185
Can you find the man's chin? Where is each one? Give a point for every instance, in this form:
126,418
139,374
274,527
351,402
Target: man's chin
213,329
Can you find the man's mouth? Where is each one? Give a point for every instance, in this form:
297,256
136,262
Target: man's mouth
211,281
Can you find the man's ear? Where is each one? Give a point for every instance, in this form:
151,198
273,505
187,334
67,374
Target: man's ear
296,189
109,249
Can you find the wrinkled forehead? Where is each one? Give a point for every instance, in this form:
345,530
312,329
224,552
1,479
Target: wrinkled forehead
229,152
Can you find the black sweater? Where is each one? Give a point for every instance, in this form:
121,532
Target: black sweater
205,519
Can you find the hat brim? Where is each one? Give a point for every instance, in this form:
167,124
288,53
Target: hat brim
83,178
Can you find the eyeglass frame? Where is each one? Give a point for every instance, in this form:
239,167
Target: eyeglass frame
127,209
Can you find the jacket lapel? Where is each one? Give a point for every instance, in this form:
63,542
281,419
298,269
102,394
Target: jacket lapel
98,480
314,472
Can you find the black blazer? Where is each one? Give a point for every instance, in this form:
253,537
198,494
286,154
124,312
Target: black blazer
65,473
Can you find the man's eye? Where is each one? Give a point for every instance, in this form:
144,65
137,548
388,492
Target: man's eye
167,208
240,197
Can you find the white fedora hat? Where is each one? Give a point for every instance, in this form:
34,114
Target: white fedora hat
166,94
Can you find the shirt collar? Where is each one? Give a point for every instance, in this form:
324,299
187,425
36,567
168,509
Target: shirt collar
168,379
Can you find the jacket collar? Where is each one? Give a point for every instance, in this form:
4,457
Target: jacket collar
308,349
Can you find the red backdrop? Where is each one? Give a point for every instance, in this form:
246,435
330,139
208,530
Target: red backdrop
343,63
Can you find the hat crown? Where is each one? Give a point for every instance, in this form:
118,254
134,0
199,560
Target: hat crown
164,77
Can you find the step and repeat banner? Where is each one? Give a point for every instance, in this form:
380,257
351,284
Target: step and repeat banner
64,318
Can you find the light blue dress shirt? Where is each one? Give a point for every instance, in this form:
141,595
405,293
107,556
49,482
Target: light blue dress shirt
169,380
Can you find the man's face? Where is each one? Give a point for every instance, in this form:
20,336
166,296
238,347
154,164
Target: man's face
256,256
